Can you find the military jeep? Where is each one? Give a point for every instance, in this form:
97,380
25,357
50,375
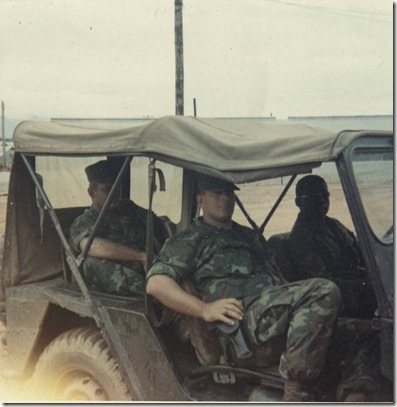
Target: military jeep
70,342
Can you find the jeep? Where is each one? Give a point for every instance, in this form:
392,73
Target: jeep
66,341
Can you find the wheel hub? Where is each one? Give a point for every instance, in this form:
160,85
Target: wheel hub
82,386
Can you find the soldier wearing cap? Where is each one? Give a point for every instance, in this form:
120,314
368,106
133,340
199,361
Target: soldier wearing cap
236,278
116,261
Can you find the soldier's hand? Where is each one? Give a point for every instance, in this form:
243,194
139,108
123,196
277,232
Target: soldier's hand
226,310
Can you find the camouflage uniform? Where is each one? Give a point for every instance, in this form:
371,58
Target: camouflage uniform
105,275
327,249
233,263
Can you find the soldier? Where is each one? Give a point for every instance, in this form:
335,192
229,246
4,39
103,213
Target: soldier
116,261
323,247
236,279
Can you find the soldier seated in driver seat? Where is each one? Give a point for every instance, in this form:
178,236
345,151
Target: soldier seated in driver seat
116,261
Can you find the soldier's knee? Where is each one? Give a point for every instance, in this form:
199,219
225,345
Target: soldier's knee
92,261
329,290
98,264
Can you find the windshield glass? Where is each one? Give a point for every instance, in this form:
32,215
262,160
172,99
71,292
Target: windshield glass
374,176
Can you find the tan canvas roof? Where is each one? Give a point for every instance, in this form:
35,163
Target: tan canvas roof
239,150
225,145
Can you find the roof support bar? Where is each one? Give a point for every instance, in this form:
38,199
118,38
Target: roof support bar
69,255
167,314
250,220
259,234
275,206
102,214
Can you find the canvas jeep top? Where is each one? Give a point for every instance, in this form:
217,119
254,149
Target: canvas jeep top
129,349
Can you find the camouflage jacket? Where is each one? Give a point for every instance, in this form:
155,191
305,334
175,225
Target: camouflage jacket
325,249
131,231
220,263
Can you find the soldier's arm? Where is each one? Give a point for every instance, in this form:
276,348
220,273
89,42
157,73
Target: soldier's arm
310,264
106,249
172,295
304,258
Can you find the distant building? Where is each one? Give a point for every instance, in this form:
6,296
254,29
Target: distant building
338,123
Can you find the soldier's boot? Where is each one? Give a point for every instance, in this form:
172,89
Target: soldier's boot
295,391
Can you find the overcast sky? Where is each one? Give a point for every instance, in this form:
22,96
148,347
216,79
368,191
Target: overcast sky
116,58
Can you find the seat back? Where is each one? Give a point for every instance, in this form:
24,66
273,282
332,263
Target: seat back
279,243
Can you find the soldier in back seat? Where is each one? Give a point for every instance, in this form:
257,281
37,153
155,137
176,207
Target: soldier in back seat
323,247
116,261
236,279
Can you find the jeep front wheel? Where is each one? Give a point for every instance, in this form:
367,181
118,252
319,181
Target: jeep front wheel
78,365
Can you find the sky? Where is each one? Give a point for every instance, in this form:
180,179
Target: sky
242,58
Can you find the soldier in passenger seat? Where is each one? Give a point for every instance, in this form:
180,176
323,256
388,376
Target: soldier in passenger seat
236,280
116,261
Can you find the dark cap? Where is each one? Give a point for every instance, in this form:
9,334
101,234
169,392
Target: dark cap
210,183
102,171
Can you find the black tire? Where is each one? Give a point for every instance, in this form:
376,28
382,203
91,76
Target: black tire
78,365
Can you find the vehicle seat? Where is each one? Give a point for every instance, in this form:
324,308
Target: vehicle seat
283,256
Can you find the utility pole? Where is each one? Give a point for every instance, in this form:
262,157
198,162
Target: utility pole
4,136
179,77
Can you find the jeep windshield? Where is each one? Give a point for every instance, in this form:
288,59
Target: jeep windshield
373,171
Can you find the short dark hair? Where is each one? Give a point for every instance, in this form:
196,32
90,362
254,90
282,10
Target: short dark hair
309,184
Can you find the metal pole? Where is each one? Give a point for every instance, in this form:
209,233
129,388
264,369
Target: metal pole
4,135
285,190
104,209
74,267
179,76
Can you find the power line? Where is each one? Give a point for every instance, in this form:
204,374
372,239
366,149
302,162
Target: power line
329,10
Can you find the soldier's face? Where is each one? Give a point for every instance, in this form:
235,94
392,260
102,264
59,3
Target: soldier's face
99,194
217,205
316,203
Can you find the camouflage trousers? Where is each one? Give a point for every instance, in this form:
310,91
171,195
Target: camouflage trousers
305,312
298,323
114,278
